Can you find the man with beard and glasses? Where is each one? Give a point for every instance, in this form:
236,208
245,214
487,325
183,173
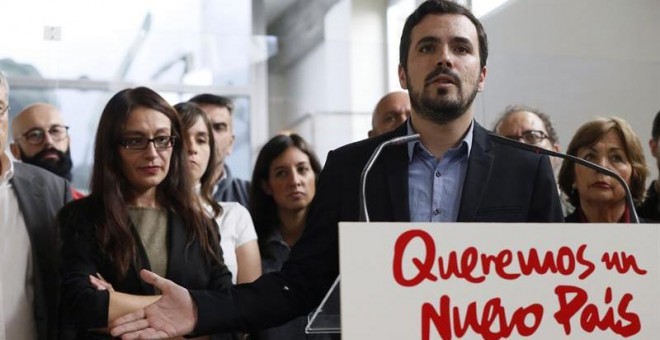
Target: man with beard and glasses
42,139
456,173
30,198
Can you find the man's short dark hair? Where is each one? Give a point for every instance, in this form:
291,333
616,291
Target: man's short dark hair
212,99
511,109
655,131
440,7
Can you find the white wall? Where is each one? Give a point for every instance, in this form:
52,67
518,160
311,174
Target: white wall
575,60
338,82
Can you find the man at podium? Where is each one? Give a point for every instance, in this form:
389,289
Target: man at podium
455,172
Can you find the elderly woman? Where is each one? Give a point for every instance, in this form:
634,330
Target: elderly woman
610,143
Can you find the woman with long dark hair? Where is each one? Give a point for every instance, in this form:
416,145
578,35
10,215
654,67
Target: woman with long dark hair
141,214
283,185
238,238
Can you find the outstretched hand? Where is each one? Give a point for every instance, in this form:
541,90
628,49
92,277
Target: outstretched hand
174,314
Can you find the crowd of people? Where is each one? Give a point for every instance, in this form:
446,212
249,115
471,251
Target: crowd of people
168,243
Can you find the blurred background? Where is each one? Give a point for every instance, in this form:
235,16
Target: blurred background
318,67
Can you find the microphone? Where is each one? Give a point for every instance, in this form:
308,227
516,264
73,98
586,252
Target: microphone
590,165
364,214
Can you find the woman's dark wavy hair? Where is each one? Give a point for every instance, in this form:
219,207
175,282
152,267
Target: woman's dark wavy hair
110,187
262,206
190,113
588,135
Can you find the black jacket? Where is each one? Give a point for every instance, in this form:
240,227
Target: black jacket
86,307
502,184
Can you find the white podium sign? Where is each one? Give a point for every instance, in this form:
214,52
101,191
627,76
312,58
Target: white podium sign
496,281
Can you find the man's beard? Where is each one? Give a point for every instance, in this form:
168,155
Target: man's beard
61,167
441,110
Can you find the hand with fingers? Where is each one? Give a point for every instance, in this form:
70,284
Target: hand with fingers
174,314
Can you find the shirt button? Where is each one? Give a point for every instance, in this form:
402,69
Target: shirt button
436,212
437,174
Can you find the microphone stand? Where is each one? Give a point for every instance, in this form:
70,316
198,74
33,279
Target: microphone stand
590,165
331,297
364,214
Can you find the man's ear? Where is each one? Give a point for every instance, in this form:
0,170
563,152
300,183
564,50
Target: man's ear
231,145
482,79
15,151
556,147
653,144
403,81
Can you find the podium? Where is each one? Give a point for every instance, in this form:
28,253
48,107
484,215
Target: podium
463,280
325,319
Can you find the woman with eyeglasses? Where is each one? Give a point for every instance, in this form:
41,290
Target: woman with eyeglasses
612,144
238,238
141,214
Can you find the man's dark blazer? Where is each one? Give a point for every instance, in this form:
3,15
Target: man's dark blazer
83,305
502,184
40,196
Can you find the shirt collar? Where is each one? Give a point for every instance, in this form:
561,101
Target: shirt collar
6,161
467,140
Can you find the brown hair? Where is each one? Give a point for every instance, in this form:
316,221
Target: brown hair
587,135
190,113
110,186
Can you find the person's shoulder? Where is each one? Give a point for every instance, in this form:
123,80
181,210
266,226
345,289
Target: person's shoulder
83,207
233,208
367,146
31,172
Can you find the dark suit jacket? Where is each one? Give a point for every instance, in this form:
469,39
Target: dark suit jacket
502,184
86,307
232,189
40,195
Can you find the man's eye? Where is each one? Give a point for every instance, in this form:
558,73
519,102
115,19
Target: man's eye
33,134
426,49
462,49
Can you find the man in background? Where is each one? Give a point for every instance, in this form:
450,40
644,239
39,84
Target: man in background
650,209
390,112
530,126
219,109
30,198
42,139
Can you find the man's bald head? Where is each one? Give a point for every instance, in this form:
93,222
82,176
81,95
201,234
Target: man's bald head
41,139
392,110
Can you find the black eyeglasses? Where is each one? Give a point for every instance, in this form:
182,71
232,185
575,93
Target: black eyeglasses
530,137
36,136
141,143
3,111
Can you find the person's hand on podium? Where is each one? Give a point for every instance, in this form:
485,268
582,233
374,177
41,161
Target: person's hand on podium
174,314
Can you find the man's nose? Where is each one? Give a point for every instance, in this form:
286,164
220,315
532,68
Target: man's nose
444,57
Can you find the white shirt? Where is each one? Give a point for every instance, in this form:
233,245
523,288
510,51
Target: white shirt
236,229
16,272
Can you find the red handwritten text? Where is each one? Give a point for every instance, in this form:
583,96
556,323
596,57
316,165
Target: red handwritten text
448,318
590,317
622,263
473,266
